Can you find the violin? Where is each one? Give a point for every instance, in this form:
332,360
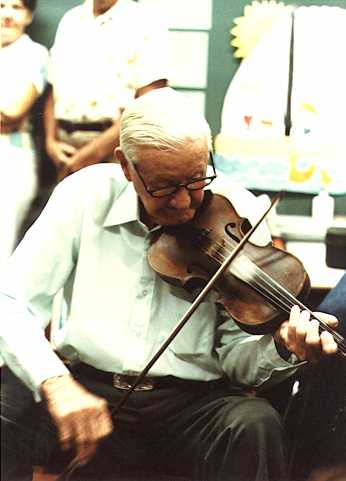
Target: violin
260,286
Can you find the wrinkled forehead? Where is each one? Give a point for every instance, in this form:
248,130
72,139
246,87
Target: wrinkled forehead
189,159
187,151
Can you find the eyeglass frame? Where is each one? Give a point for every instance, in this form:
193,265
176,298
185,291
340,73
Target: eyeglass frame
178,186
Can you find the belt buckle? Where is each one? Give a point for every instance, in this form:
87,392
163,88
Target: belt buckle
124,382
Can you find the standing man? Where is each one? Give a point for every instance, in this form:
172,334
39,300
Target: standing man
193,414
105,53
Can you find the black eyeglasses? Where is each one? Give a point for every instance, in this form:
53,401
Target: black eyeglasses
193,184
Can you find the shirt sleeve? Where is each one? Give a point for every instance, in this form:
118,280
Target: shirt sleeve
251,360
40,68
60,40
33,275
25,66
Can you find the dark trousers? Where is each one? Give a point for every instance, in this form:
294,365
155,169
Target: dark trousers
204,431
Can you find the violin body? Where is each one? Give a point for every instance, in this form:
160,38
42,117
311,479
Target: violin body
188,255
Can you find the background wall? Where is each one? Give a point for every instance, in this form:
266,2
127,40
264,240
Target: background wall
220,65
46,19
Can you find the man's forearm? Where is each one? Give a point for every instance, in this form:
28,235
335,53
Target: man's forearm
49,121
98,149
157,84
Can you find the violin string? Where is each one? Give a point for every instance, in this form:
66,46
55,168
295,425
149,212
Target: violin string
264,291
277,301
266,285
272,285
267,292
337,337
263,283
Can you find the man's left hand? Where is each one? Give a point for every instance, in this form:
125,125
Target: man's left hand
301,335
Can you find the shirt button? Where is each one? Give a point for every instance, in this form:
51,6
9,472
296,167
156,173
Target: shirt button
142,294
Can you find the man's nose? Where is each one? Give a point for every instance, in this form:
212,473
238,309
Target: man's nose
181,199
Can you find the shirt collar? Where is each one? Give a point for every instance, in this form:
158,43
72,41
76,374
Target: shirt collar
125,208
104,17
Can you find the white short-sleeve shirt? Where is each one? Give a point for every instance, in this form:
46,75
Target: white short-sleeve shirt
97,63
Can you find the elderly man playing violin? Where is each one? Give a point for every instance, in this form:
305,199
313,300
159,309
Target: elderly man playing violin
194,413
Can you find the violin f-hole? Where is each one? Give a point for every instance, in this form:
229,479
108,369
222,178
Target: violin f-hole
245,226
228,228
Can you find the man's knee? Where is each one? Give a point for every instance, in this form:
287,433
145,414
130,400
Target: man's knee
254,417
249,442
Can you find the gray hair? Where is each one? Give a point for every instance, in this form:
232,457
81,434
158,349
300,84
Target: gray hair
161,119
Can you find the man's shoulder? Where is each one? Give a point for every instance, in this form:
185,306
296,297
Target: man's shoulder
131,6
99,174
141,15
99,181
72,15
226,186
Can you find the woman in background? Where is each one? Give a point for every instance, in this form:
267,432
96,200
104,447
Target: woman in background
23,65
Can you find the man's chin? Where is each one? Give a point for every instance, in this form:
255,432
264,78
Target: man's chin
181,218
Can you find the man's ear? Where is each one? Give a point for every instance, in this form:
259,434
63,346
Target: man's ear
121,159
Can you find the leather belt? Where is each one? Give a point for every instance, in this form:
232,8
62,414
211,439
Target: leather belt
70,127
124,381
121,381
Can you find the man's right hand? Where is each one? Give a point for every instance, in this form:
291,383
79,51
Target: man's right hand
82,418
9,124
